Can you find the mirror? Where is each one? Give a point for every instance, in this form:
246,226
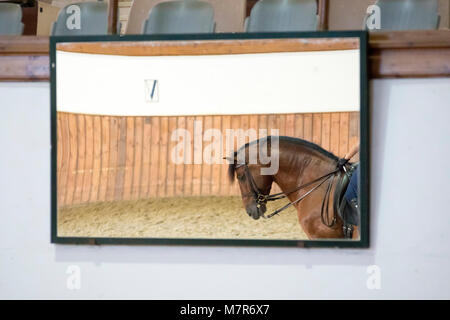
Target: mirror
232,139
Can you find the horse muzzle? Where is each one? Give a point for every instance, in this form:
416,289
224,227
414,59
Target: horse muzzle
255,211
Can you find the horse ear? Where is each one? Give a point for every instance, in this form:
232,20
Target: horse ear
230,160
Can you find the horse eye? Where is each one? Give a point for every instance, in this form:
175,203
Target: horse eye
241,178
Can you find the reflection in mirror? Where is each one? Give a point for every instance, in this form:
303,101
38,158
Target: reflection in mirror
215,139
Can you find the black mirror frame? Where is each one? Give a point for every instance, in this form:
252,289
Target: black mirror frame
364,143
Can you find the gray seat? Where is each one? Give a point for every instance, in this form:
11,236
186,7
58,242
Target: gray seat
10,19
407,15
180,17
93,18
282,15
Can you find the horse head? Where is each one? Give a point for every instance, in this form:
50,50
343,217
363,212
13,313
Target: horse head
254,186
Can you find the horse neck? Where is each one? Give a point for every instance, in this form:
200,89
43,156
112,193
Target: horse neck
300,165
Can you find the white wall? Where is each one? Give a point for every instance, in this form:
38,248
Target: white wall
248,83
410,219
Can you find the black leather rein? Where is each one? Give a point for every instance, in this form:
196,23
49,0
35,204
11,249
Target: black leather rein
262,199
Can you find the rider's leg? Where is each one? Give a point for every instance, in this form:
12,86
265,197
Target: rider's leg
351,211
352,189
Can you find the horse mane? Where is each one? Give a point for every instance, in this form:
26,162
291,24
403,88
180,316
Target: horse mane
298,141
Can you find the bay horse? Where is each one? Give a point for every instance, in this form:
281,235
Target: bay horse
301,163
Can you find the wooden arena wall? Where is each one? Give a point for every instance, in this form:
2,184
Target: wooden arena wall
107,158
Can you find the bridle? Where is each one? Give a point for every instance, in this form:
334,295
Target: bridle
262,199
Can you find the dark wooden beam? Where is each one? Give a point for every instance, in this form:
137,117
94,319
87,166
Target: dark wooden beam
322,11
409,54
249,6
400,54
113,16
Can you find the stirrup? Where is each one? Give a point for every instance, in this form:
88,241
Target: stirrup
348,231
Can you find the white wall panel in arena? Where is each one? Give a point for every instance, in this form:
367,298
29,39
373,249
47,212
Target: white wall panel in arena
409,220
208,85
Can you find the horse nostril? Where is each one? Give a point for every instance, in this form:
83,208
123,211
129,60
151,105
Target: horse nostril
263,209
251,210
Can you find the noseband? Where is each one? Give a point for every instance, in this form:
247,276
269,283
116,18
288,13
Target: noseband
257,195
262,199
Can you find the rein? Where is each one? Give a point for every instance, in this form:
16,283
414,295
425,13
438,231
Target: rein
262,199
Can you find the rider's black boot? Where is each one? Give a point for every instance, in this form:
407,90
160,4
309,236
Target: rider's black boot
350,217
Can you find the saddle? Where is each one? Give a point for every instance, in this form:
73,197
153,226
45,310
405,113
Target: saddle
349,216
